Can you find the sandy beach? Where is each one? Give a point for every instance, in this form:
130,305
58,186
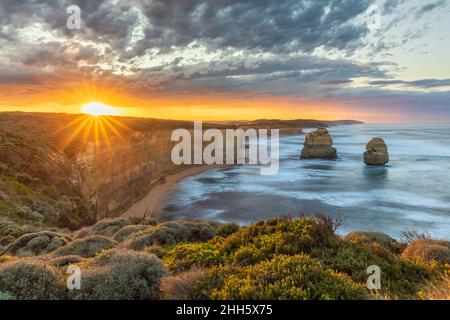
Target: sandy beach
153,201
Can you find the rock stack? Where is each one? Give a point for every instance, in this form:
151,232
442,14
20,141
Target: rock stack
318,145
377,153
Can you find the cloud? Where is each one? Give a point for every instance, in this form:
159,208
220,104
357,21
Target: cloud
423,83
268,25
428,8
290,48
170,44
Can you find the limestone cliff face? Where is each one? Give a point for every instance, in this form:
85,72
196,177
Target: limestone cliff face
113,176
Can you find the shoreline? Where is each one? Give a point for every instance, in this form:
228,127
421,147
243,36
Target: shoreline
154,199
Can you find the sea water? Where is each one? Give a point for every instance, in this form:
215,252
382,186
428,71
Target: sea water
411,193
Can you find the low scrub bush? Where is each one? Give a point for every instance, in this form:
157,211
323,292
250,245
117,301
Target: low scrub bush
6,296
158,251
32,244
428,250
182,286
187,255
224,230
296,277
31,280
108,227
87,247
370,236
171,233
121,275
127,231
401,278
248,255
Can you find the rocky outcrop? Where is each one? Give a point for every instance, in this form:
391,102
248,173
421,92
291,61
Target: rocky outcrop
377,152
318,145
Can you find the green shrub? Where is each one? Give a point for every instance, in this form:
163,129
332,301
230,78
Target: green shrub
370,236
400,277
108,227
87,247
31,280
171,233
429,250
10,229
283,278
225,230
27,213
187,255
281,236
158,251
32,244
149,222
6,296
248,255
127,231
259,242
121,275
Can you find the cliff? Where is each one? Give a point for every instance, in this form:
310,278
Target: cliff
66,170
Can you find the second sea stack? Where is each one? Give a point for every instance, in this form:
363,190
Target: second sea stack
318,145
377,152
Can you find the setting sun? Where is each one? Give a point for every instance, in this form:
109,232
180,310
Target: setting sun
99,109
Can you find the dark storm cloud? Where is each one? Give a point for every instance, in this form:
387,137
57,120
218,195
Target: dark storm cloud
285,26
280,26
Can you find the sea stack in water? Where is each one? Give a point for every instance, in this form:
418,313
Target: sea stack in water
318,145
377,153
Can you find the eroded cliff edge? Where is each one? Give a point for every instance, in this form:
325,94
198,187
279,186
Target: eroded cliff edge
64,170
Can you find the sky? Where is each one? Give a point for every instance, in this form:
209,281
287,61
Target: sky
371,60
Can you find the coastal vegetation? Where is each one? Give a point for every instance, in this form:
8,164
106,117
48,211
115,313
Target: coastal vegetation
281,258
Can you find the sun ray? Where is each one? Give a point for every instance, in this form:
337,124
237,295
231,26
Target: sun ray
87,132
120,124
71,123
112,128
96,132
74,134
104,133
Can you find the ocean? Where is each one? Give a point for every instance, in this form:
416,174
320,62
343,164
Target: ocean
411,193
